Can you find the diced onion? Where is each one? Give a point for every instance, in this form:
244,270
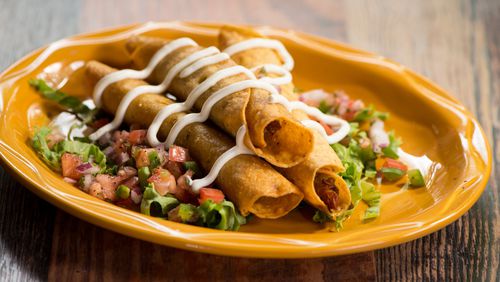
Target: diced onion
135,197
88,179
87,168
380,138
122,158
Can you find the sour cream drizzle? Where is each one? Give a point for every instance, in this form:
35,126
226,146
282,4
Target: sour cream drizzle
191,64
285,78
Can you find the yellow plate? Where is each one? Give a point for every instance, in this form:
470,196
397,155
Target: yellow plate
433,125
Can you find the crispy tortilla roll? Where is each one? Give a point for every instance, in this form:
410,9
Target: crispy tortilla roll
317,176
273,133
251,183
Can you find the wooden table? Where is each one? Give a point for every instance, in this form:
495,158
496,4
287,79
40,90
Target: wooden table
455,43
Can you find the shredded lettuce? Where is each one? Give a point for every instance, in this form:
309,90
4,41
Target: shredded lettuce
339,221
351,161
86,151
370,173
324,107
354,129
73,127
221,216
70,103
356,197
154,160
371,197
321,217
156,205
39,143
192,166
391,150
185,213
353,158
52,156
363,190
369,113
209,214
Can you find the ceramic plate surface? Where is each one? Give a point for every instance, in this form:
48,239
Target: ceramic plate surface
435,127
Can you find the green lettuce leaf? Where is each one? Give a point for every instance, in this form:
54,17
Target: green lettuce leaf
321,217
352,162
369,113
391,151
186,213
39,143
85,150
371,197
156,205
220,216
69,103
53,156
352,159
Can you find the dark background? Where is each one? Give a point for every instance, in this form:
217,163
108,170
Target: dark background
454,43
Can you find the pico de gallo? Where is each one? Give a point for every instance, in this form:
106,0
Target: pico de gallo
121,168
369,153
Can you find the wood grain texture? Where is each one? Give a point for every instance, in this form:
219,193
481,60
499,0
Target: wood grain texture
26,221
83,252
455,43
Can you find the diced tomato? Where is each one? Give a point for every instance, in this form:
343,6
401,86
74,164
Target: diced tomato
184,193
99,123
119,144
137,136
391,163
120,135
175,168
215,195
178,154
95,190
109,184
352,109
349,115
328,129
69,163
142,157
164,182
364,143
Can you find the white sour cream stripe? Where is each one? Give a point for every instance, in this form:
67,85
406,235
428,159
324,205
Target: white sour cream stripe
184,68
210,102
188,104
111,78
239,149
134,93
188,66
286,78
288,62
202,63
